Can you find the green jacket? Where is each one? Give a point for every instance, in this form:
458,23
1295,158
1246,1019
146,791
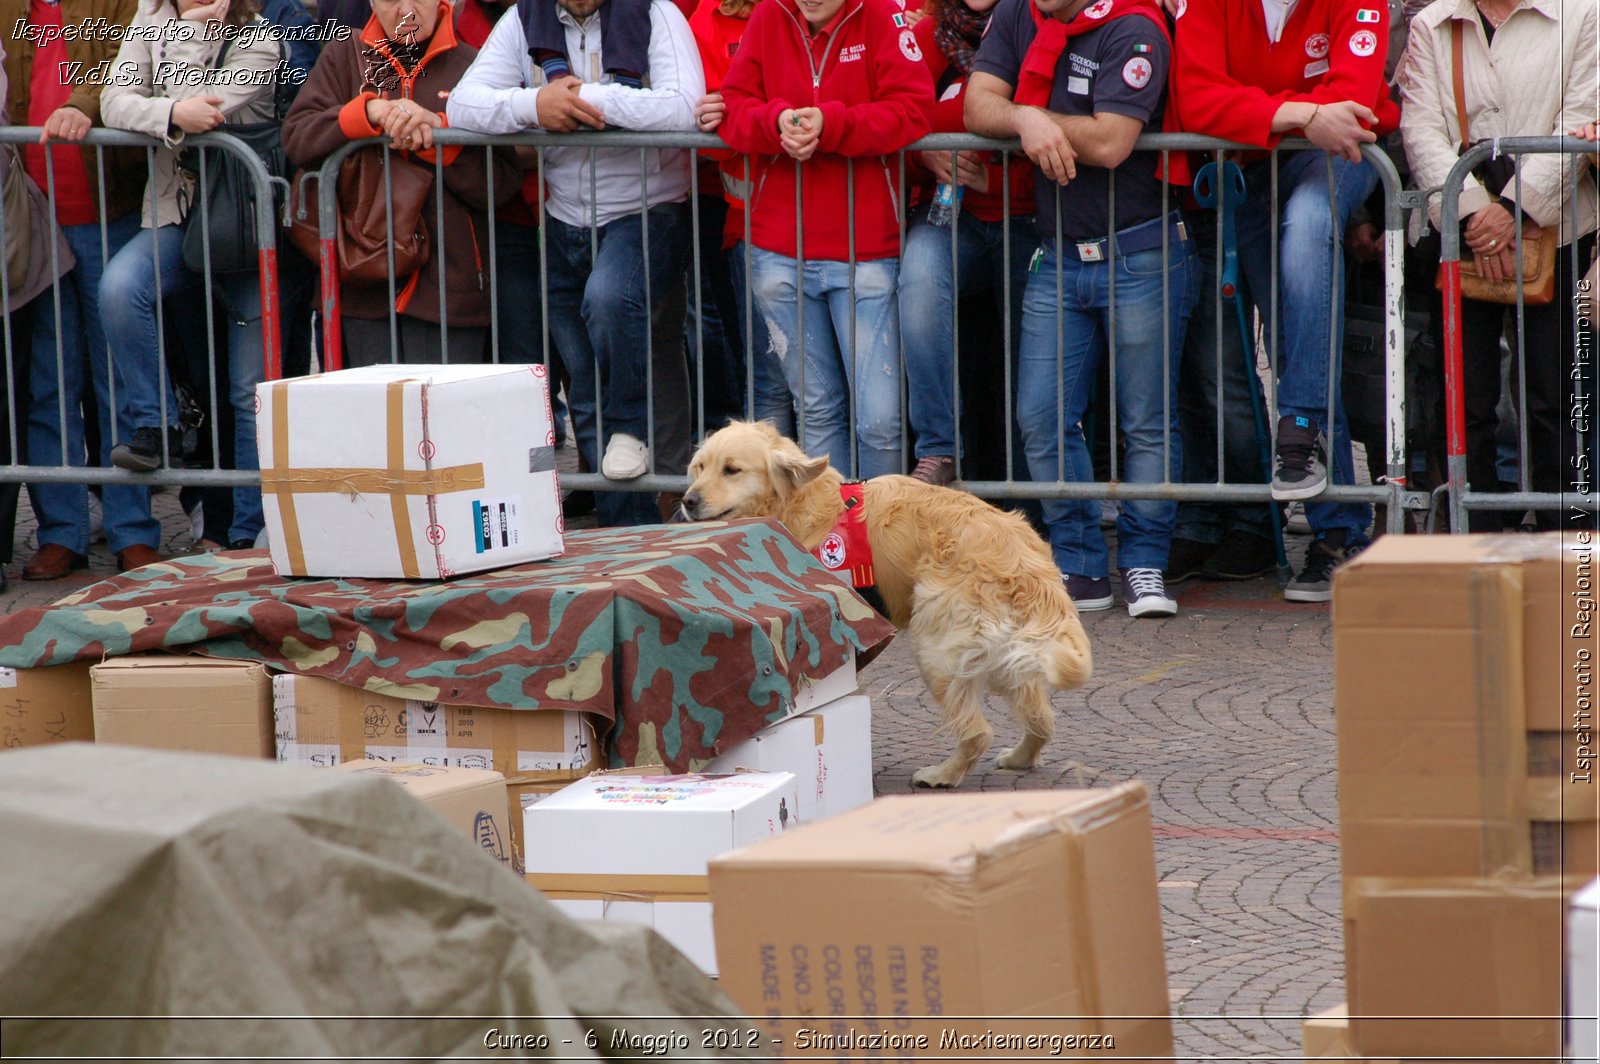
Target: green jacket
125,170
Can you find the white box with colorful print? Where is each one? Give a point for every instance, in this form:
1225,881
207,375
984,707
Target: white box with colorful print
408,471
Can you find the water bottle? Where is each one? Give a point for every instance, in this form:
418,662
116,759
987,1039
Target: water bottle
946,204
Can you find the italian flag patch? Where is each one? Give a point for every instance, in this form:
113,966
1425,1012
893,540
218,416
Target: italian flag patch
1368,14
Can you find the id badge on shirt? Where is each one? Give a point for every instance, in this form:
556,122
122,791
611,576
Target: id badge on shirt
1316,69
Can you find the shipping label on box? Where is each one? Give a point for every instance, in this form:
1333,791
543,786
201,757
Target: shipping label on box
474,800
325,723
169,702
39,706
442,470
940,911
829,751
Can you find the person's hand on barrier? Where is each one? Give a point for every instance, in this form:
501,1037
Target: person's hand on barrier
1046,143
378,112
562,110
410,126
1491,231
970,170
215,11
66,123
1588,132
709,111
1341,127
800,131
198,114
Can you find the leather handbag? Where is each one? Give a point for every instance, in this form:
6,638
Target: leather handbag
1536,258
363,233
17,207
227,196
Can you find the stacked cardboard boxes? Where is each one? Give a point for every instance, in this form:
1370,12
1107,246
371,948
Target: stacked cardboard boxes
1018,926
472,799
171,702
1468,807
633,847
39,706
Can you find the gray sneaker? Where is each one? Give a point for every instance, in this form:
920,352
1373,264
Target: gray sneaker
1301,468
1314,583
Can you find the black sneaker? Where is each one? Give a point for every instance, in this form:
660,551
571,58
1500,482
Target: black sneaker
1301,470
1240,556
1146,594
1314,583
1088,593
141,452
1187,558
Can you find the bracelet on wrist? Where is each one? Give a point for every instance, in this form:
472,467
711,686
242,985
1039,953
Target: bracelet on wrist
1312,117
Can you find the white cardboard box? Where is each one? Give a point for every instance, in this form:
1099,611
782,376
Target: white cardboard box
408,471
1583,975
635,848
828,749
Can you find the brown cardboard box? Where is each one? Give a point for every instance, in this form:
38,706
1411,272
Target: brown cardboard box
205,705
1455,731
1473,952
1326,1036
39,706
917,909
472,799
326,723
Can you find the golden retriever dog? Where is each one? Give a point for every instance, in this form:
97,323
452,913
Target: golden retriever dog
975,586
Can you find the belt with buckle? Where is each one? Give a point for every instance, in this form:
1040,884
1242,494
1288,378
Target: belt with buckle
1142,237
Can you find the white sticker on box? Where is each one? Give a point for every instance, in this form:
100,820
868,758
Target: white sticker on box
498,523
439,757
323,755
576,754
8,677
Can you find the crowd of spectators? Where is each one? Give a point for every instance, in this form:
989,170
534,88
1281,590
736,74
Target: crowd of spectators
1123,288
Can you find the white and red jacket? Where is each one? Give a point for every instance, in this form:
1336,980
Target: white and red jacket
1229,78
864,71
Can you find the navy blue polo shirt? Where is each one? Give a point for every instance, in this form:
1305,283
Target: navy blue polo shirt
1120,68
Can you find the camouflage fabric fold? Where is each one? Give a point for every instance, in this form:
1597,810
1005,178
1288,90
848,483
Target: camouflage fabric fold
691,637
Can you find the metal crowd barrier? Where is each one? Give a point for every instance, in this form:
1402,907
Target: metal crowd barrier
38,469
1392,489
1579,414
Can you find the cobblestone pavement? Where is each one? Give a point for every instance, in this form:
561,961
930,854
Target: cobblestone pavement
1225,712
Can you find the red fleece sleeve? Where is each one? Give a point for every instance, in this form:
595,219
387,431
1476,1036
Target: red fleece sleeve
902,110
751,124
1358,49
1210,100
353,118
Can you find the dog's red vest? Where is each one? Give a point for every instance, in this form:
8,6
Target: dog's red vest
846,548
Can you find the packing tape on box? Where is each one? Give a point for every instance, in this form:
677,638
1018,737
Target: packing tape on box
604,885
395,481
1495,595
1559,799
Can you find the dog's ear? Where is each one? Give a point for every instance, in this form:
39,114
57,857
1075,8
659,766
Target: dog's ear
792,469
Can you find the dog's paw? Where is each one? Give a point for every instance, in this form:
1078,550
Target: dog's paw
1017,760
936,776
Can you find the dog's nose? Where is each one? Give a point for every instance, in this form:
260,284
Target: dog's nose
691,503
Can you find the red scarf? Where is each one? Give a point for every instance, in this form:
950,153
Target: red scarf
1038,72
846,548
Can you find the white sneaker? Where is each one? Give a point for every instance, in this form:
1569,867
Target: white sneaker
1146,594
626,458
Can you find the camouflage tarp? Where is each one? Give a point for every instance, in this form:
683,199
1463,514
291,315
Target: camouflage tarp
693,637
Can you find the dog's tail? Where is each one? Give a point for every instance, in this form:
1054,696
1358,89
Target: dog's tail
1068,658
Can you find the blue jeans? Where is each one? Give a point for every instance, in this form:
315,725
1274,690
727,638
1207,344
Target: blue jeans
930,286
1311,317
130,287
772,401
1051,409
600,313
805,323
1205,522
59,390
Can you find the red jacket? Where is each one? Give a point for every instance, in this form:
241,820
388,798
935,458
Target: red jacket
949,117
864,70
718,37
1228,79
